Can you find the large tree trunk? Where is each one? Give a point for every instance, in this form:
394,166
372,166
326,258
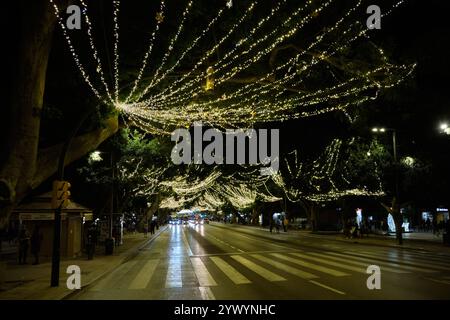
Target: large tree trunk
28,83
47,160
25,167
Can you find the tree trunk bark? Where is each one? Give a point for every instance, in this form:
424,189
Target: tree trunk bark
47,161
25,167
36,31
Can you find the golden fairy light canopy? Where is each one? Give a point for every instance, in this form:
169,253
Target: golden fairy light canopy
225,90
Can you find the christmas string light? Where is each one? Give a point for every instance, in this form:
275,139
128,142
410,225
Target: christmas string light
95,54
149,51
116,5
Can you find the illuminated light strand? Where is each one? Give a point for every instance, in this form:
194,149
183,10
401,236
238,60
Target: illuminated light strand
269,49
252,108
116,5
95,54
220,64
148,52
169,49
204,58
342,19
73,52
186,51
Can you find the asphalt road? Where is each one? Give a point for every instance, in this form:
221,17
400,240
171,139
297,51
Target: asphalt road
220,261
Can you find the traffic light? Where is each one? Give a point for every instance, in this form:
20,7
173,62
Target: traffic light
61,194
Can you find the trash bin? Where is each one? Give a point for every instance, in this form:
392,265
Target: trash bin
109,246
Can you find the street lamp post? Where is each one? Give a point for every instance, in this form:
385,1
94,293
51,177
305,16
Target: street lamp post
397,188
95,156
56,252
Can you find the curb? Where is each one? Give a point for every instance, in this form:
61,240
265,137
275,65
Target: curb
128,255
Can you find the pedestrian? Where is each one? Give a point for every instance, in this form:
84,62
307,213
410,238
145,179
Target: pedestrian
36,239
24,239
145,230
90,244
278,225
152,227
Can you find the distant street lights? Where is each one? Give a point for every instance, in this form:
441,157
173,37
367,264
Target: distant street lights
445,128
394,138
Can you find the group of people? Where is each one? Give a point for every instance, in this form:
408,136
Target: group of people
354,230
278,224
33,242
432,226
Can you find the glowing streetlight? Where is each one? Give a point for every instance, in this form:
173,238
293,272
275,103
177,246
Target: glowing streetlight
445,128
95,156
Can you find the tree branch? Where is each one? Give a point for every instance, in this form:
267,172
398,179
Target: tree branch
47,161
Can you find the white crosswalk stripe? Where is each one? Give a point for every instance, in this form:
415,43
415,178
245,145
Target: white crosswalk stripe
383,263
331,263
173,277
145,274
347,259
285,268
204,277
412,261
263,272
113,277
229,271
306,264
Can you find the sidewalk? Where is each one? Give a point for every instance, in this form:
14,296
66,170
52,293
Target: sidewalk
32,282
424,241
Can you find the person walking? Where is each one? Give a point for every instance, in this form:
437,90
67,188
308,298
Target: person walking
24,239
152,227
36,239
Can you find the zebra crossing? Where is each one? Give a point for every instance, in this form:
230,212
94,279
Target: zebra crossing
240,269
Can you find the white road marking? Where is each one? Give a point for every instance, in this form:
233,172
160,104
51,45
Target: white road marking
203,276
186,244
327,287
173,277
107,282
385,263
331,263
145,274
348,259
206,293
429,264
263,272
229,271
306,264
286,268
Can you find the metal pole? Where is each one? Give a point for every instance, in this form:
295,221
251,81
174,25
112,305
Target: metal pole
394,143
111,218
56,255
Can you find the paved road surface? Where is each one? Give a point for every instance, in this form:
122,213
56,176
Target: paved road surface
219,261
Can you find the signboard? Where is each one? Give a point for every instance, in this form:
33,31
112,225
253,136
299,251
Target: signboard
39,216
36,216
